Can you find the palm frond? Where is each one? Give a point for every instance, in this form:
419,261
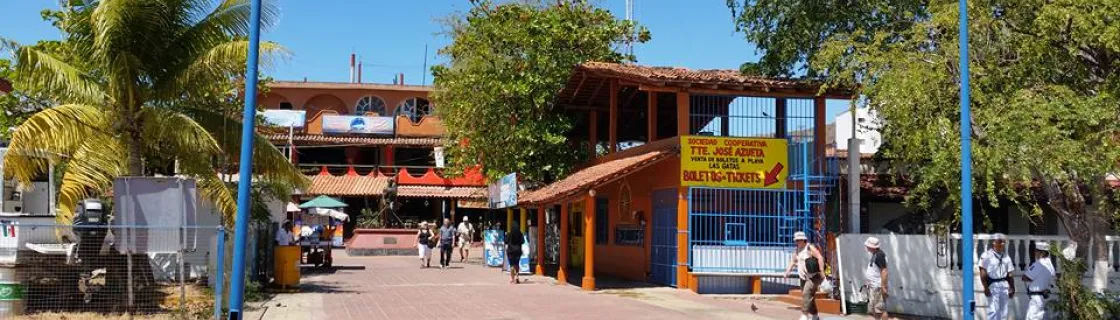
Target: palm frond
52,134
44,71
268,162
89,172
219,63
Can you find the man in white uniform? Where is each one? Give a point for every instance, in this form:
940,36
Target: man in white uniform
995,272
1040,276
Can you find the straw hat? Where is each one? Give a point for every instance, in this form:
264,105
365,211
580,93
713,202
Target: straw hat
800,236
872,242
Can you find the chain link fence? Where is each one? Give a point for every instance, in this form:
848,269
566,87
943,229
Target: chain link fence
107,269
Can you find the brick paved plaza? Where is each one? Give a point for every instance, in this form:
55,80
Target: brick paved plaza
396,288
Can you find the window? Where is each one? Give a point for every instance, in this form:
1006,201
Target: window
414,109
286,105
602,221
370,104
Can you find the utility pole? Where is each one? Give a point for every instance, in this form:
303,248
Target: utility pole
967,287
245,174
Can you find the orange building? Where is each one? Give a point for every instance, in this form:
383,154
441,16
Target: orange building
627,214
353,138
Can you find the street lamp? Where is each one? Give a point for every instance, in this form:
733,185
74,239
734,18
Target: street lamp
966,170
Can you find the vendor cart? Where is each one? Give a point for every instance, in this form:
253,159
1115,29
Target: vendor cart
318,221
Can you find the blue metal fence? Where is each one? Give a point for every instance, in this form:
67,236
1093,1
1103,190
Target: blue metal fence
751,230
663,253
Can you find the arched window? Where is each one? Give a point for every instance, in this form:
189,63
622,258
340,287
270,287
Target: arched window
369,104
414,109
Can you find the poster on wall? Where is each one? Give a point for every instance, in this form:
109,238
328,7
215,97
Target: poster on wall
755,163
493,248
357,124
285,118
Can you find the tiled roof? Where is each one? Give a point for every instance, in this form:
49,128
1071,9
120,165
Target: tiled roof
441,192
347,185
674,74
324,139
598,174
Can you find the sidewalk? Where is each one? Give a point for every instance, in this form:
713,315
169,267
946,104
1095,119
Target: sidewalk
396,288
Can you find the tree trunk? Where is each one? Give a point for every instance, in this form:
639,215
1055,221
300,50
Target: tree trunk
132,139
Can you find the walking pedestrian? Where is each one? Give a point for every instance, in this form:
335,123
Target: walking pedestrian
423,244
1040,276
808,261
514,240
446,242
995,270
466,239
876,274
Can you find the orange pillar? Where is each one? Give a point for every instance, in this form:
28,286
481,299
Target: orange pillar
613,133
589,243
683,119
651,113
593,134
540,240
562,274
682,238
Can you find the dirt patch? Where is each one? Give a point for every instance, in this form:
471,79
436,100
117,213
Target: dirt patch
90,316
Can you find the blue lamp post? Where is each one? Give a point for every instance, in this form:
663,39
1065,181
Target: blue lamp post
245,172
966,171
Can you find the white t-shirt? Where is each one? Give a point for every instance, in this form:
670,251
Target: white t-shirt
1041,273
465,231
283,237
997,266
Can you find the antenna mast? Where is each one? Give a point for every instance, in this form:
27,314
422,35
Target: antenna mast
630,18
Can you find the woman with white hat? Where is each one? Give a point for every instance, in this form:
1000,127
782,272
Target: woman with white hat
424,244
808,261
876,274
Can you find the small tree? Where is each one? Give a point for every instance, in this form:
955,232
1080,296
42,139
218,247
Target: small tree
507,62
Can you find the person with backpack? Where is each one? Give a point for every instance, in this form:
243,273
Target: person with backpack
876,274
808,261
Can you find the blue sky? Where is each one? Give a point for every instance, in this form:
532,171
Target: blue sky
390,35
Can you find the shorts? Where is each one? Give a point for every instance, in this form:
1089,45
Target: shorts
514,257
425,251
875,300
463,243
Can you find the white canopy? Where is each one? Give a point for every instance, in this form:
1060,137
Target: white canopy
292,207
330,213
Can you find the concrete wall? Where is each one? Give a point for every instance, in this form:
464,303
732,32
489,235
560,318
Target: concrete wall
632,262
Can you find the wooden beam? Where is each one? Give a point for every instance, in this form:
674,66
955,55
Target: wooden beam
578,87
630,98
591,100
653,88
595,108
780,115
683,120
612,128
651,116
593,134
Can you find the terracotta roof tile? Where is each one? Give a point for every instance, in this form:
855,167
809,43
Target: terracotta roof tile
324,139
674,74
441,192
347,185
595,175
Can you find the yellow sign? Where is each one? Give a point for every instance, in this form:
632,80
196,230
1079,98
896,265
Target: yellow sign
734,162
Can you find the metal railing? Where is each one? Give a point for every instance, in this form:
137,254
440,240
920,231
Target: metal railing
1018,247
341,169
138,270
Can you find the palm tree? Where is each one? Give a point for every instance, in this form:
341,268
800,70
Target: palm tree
135,83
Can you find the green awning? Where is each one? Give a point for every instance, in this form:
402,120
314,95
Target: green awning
323,202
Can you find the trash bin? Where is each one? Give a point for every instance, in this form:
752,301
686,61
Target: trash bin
11,293
287,266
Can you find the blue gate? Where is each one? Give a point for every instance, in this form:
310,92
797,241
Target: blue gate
751,230
663,257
